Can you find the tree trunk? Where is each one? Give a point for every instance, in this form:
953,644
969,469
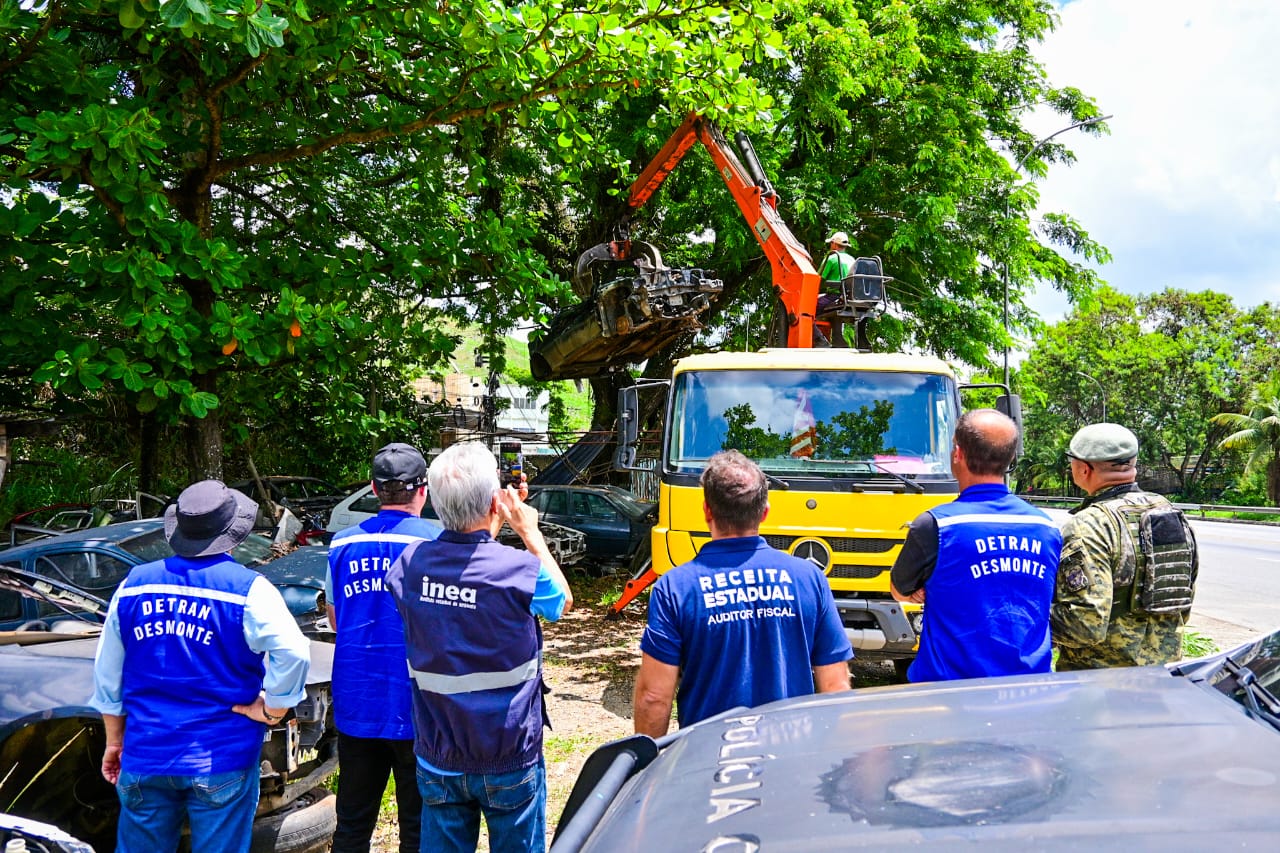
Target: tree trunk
148,448
1273,481
204,437
193,200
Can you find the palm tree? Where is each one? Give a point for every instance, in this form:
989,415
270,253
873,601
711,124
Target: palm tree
1258,435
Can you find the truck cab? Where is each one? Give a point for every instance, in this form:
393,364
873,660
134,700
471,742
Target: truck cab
855,446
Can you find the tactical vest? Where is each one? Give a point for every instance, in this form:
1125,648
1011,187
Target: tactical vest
372,697
186,663
986,610
474,650
1156,572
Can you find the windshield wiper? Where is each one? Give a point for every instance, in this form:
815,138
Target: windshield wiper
776,482
1255,692
910,484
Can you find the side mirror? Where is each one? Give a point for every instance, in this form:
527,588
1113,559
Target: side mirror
1011,405
628,430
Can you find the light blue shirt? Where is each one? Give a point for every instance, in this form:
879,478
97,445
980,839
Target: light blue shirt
269,628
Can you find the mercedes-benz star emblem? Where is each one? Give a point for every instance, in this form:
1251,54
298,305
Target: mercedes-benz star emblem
815,551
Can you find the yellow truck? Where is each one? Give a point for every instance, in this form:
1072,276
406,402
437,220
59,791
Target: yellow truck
855,446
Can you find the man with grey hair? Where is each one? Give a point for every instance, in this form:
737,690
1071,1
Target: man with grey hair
470,607
740,624
1129,562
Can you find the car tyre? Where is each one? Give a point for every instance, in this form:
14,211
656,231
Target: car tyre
304,826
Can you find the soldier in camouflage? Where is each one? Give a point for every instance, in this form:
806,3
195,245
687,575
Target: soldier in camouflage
1096,622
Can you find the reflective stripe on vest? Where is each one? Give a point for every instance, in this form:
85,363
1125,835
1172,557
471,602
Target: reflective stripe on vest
448,685
400,538
178,589
995,518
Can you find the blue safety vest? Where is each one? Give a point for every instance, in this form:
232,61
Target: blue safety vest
371,691
474,650
186,663
986,607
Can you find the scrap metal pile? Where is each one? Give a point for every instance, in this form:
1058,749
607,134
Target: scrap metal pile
625,316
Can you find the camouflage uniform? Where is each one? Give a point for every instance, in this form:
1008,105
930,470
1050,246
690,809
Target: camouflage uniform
1088,631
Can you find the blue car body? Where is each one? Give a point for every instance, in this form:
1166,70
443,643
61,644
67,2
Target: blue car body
95,561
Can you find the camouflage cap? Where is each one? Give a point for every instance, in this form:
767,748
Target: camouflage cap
1103,443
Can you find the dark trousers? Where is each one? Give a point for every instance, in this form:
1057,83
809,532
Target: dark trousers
363,767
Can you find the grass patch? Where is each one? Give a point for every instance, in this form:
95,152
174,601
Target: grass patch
567,747
609,596
1197,645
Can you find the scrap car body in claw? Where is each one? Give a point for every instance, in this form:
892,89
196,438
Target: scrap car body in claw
52,741
623,318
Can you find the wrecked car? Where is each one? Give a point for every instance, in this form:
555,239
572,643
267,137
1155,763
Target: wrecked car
1182,757
39,837
51,740
632,306
567,545
97,559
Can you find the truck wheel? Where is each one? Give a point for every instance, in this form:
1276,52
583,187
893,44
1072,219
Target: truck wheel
304,826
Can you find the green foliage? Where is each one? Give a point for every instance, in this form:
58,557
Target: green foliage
856,435
1164,365
897,123
1257,435
1197,645
209,202
753,441
59,473
609,596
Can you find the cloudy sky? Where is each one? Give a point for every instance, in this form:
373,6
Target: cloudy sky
1185,191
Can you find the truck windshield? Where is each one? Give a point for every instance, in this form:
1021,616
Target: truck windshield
816,423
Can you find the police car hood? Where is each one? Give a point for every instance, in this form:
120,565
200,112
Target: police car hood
1112,759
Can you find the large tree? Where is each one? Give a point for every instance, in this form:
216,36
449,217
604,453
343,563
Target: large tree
897,123
205,198
1256,433
1164,365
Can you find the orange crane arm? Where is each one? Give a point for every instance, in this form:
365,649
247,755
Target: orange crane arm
794,277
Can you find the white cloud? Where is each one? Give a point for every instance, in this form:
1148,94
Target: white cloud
1185,191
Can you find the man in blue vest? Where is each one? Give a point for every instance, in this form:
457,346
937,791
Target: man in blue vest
181,683
741,623
470,607
371,690
984,566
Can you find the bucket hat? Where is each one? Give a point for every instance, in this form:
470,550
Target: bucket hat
208,518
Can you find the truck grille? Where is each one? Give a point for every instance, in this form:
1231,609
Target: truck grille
839,544
856,572
853,545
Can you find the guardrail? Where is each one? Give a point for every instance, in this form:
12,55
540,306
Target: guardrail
1202,509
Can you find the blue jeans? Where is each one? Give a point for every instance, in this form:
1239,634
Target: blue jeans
514,806
219,807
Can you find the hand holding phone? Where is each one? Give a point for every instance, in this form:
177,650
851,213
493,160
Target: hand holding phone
510,463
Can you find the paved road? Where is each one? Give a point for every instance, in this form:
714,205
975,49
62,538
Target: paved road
1238,593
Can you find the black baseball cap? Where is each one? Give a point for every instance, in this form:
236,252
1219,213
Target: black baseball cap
400,462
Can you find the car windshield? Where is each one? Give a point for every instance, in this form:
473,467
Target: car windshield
253,551
1245,671
816,423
